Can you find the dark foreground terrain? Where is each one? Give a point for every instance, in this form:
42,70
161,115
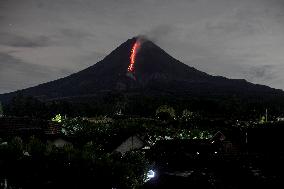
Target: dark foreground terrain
248,171
94,153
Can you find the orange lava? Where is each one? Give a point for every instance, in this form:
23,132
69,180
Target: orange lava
134,51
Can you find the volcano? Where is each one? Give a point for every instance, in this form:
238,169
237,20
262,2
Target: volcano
155,73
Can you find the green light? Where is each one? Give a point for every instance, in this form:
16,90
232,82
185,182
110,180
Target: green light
57,118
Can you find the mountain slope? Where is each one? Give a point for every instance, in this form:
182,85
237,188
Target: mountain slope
156,73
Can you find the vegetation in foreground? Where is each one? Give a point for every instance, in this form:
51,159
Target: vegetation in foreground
90,160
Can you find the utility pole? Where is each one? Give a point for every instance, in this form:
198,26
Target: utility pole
266,115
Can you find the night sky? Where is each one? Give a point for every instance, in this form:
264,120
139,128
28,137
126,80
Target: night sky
42,40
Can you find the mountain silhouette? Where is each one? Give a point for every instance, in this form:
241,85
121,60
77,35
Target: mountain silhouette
155,73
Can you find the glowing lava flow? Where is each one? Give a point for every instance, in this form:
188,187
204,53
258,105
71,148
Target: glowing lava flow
134,51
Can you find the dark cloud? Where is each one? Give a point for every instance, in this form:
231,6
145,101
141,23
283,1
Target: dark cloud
264,73
9,63
20,73
15,40
75,34
6,59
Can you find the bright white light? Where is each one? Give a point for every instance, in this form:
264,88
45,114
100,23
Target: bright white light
197,153
151,174
215,152
146,147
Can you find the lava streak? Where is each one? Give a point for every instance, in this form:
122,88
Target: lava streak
134,51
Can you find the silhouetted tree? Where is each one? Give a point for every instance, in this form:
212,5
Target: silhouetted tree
165,113
26,106
16,148
36,148
1,109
